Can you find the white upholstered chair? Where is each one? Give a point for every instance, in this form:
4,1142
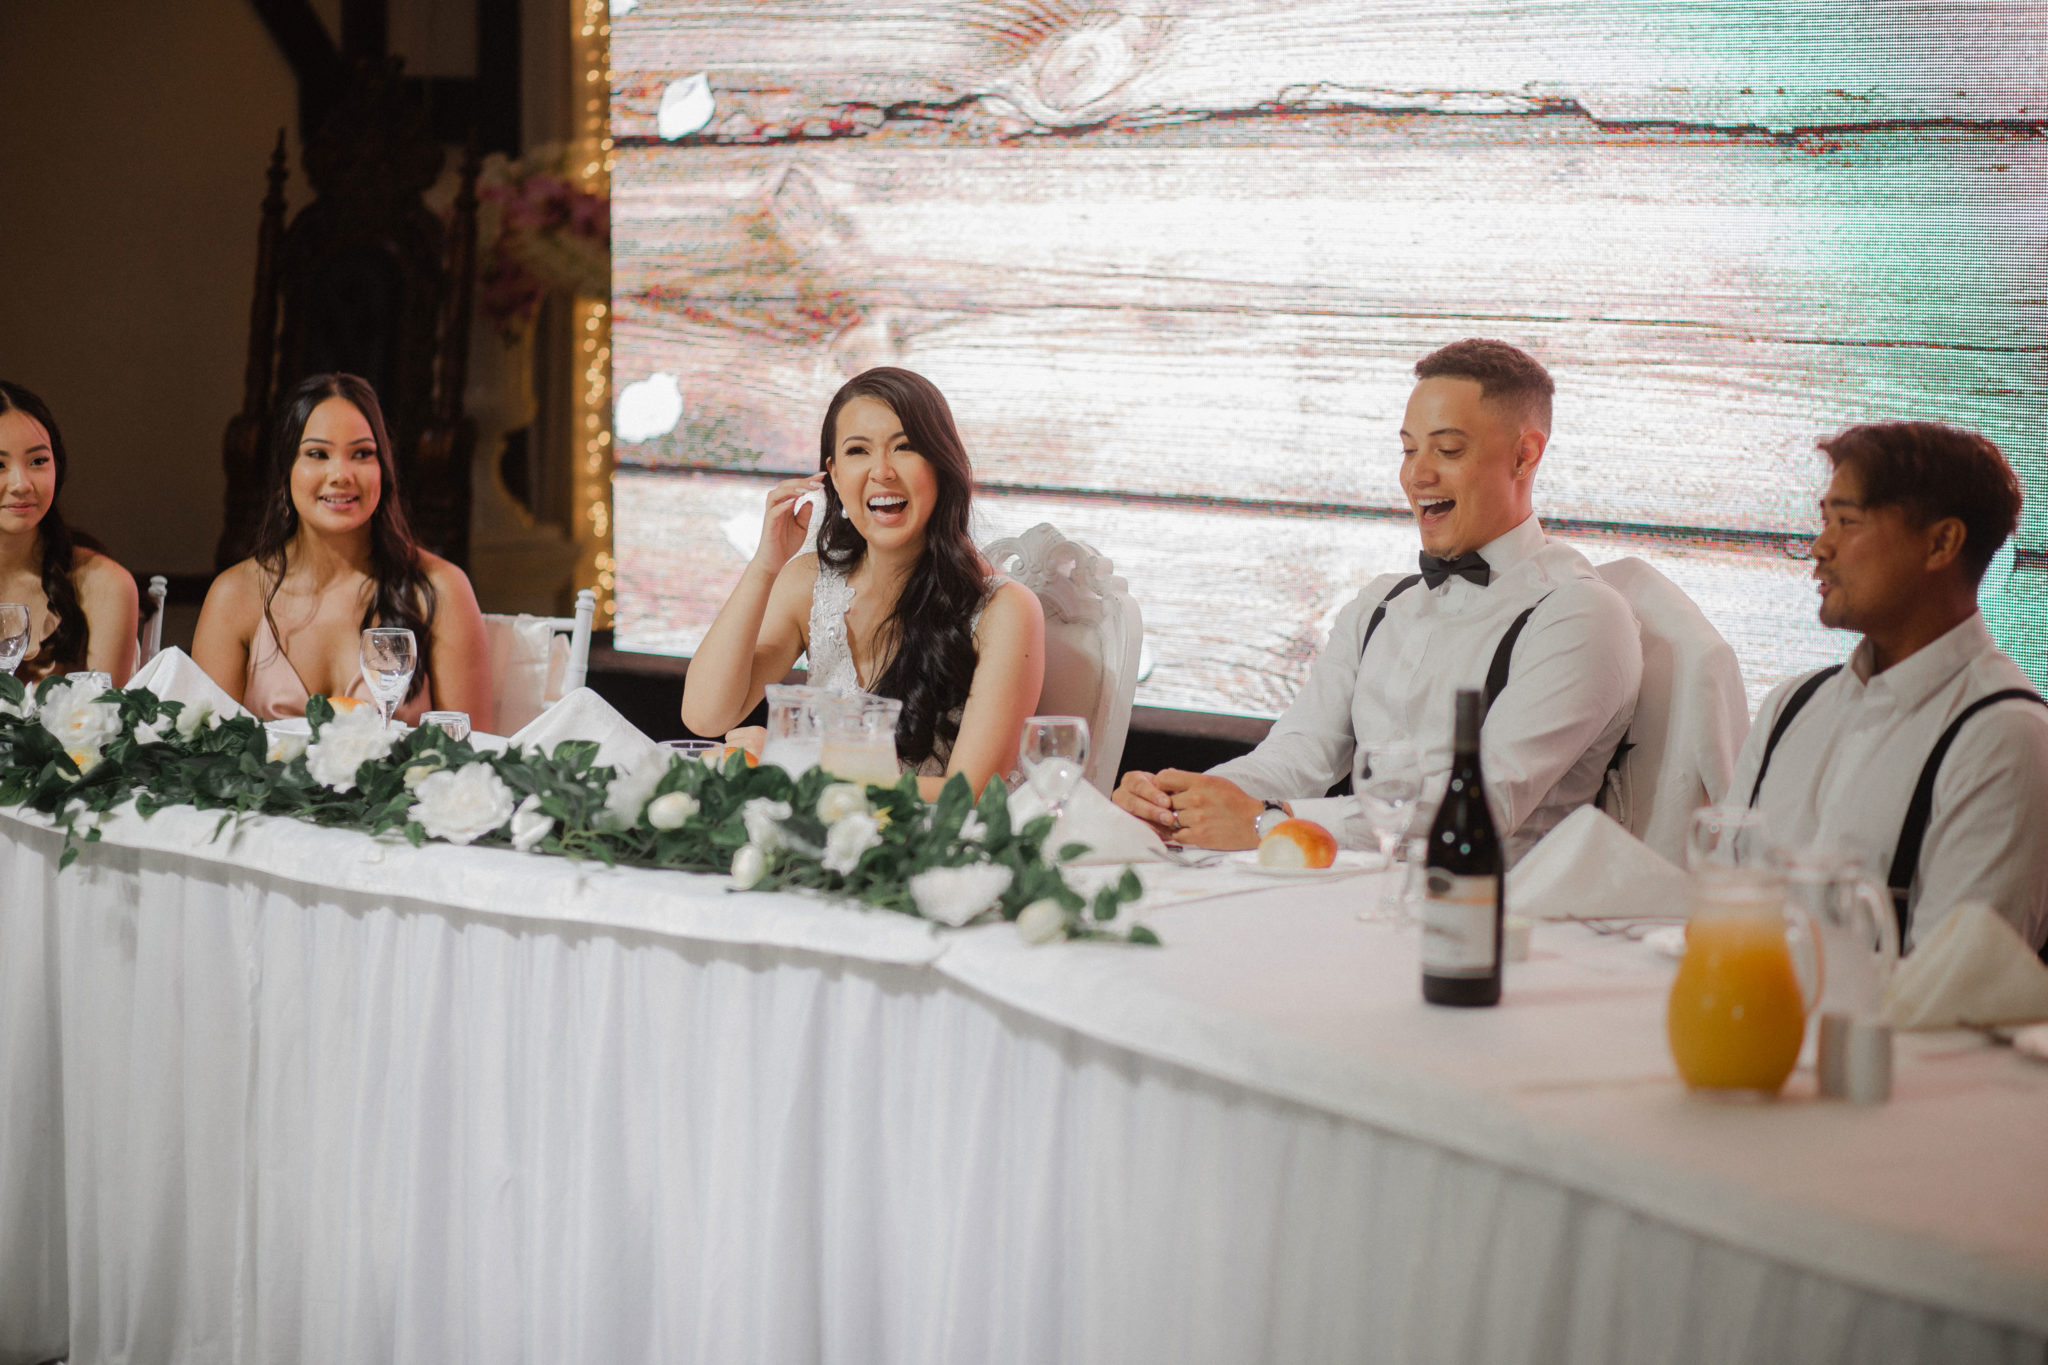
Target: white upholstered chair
536,660
152,639
1691,713
1093,633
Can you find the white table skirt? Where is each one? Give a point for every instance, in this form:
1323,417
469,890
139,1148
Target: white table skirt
306,1120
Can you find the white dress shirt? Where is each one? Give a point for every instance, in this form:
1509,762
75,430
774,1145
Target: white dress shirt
1570,694
1844,772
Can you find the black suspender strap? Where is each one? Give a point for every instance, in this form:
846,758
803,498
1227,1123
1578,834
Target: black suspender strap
1800,696
1906,856
1379,613
1497,671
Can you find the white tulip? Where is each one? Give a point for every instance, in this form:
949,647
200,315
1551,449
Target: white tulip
192,717
671,810
1042,921
850,836
763,819
955,895
286,747
840,800
749,865
530,825
462,805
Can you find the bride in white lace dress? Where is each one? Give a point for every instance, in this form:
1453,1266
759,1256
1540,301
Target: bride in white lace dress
897,601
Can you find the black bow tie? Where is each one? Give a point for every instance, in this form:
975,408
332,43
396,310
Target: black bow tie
1470,566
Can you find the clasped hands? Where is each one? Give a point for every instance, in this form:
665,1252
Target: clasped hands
1191,808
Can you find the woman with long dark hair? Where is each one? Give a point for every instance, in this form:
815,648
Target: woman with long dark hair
81,604
333,556
896,601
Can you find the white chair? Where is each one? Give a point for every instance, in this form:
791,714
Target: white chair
152,641
1691,713
1093,634
532,665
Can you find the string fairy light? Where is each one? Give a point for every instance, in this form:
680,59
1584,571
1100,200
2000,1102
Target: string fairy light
595,567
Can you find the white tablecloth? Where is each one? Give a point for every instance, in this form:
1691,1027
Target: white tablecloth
328,1100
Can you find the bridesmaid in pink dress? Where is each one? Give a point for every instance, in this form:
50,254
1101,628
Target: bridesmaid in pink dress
333,556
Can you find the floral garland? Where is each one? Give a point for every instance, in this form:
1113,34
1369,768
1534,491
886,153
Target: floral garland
72,751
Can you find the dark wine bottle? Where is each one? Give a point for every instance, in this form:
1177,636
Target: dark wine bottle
1462,910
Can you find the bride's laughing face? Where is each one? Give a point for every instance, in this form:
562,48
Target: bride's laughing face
888,490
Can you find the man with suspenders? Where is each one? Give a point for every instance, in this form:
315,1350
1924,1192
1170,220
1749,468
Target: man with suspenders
1926,756
1496,603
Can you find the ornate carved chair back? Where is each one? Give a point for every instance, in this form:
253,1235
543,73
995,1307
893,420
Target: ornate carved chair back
1093,634
367,280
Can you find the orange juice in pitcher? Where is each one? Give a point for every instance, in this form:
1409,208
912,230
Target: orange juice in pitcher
1737,1013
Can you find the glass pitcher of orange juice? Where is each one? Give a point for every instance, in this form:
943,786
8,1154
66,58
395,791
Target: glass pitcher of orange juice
1738,1007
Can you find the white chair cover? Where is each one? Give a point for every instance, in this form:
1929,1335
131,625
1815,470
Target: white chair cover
535,660
1691,713
1093,632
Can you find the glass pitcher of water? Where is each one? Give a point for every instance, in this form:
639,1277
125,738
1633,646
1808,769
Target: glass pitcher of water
795,727
1853,918
860,739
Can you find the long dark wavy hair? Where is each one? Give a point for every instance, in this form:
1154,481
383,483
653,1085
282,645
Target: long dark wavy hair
63,647
402,595
929,638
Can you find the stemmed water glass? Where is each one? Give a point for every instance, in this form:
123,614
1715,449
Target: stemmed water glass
13,636
1388,789
1053,755
390,655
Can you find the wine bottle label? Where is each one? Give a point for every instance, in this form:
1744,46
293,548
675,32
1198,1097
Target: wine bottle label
1457,925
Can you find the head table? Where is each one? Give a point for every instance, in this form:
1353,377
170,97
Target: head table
293,1094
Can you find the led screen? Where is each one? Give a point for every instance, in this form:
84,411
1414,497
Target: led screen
1173,264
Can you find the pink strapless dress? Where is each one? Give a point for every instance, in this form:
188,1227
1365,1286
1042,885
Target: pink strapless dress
274,688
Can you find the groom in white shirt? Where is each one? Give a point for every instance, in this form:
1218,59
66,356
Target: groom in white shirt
1911,519
1496,600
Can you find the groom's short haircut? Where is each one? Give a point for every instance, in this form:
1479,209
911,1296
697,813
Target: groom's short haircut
1507,375
1929,471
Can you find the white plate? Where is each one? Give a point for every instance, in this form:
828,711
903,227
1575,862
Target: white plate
1350,863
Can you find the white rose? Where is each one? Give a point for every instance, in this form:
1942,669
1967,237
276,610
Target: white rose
286,747
190,719
80,723
955,895
631,788
671,810
763,819
351,739
462,805
749,865
1041,921
840,800
530,825
850,836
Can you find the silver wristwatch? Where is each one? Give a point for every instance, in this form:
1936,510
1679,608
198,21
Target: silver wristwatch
1272,815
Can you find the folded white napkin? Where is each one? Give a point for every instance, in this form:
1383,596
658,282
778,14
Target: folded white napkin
1589,867
1973,969
585,715
1113,834
174,677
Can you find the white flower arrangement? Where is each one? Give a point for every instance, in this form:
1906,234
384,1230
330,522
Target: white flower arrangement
462,805
632,788
346,742
81,722
671,810
851,835
955,895
530,824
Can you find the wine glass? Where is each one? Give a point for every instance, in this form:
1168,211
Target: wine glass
1054,755
13,636
1388,789
390,655
454,724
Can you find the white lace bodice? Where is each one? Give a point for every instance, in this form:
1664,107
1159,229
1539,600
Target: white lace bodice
831,657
